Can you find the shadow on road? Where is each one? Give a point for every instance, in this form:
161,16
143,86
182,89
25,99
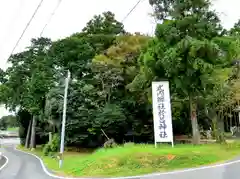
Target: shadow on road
2,161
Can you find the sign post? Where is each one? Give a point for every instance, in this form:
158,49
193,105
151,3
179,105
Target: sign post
162,114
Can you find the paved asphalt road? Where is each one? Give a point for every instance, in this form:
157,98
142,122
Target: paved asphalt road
2,161
21,166
24,166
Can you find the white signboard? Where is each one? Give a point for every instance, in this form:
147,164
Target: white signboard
162,114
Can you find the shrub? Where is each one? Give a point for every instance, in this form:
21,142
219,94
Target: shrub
46,149
52,146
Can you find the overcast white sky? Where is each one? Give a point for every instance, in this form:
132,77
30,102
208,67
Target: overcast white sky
72,16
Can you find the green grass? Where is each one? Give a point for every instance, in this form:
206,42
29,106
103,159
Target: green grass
13,129
140,159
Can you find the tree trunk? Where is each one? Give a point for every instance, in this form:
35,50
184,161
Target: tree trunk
220,122
230,118
194,122
33,133
28,134
220,138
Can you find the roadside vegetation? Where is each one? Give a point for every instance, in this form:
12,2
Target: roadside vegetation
12,129
109,96
9,123
132,160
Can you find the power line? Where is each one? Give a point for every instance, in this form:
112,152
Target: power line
51,16
28,24
130,12
13,21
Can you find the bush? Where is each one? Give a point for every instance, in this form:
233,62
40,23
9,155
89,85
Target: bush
46,149
52,146
55,143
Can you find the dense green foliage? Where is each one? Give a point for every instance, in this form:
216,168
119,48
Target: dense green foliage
111,74
9,121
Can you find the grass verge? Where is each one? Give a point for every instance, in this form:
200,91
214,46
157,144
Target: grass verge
12,129
131,159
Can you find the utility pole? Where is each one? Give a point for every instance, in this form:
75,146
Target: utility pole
64,118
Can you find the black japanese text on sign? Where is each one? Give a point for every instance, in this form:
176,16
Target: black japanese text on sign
161,112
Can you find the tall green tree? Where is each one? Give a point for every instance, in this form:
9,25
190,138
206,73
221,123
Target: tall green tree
75,53
114,71
29,80
184,51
